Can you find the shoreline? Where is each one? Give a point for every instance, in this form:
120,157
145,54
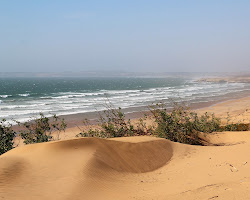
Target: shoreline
238,108
133,113
75,121
135,98
235,105
135,164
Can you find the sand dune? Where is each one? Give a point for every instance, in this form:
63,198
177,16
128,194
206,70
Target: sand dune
132,168
128,168
72,169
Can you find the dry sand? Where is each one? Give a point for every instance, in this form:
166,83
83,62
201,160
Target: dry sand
238,110
132,168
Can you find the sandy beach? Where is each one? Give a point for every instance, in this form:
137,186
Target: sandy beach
142,167
237,109
124,100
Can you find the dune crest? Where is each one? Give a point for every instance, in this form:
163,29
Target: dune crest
72,168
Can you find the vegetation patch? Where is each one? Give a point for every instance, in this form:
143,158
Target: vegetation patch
7,136
40,129
178,125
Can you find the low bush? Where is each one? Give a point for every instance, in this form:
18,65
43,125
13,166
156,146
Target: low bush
40,129
182,125
236,127
112,123
7,136
178,125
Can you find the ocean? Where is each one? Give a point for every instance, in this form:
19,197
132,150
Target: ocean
23,98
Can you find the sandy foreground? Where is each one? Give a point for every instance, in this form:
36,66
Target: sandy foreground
132,168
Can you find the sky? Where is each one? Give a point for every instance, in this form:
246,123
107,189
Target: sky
129,35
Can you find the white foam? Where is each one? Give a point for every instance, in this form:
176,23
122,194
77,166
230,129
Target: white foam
121,91
24,95
64,103
5,96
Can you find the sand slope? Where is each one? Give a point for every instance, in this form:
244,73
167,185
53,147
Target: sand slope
128,168
76,168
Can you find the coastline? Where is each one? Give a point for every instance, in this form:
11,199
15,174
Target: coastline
231,103
134,113
86,96
238,109
76,167
134,164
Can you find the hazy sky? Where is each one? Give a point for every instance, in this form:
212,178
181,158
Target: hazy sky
129,35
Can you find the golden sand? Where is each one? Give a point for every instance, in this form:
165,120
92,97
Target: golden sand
141,167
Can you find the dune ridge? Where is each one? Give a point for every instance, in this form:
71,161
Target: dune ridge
77,162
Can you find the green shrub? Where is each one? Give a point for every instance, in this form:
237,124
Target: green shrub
181,125
206,123
236,127
175,125
112,123
178,125
7,136
40,129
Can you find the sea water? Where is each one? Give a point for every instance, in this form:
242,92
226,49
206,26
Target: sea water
23,98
